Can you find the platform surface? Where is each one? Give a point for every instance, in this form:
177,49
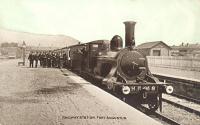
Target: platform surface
44,96
176,73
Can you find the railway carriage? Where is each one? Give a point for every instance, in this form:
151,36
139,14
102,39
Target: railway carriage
74,57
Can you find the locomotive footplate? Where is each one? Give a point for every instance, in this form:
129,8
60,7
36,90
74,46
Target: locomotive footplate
143,93
133,88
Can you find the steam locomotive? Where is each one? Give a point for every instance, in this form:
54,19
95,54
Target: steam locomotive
123,70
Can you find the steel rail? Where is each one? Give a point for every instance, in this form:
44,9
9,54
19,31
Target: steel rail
186,98
182,106
159,116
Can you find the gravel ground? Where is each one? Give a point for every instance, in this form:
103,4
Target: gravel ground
183,102
180,115
2,60
44,96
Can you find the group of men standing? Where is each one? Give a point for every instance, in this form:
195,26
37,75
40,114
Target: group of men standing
47,59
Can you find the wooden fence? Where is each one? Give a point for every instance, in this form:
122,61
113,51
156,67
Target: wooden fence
186,63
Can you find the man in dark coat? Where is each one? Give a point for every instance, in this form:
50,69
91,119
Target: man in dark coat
83,56
58,60
36,59
61,60
44,62
54,60
31,59
64,60
49,59
40,58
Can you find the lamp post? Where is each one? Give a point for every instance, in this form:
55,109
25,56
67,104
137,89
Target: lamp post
24,49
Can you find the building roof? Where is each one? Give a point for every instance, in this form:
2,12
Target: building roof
149,45
34,48
100,41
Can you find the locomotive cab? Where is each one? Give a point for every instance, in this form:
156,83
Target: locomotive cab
95,49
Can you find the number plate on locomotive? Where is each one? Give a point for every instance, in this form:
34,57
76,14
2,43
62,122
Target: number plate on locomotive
139,88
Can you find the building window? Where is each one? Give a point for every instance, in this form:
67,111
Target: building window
156,52
182,50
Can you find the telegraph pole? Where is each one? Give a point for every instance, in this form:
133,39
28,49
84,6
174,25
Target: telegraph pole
24,50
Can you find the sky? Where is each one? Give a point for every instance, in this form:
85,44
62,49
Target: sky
171,21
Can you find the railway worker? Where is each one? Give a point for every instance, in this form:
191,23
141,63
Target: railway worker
53,56
52,60
64,60
44,60
49,59
58,60
83,56
40,58
61,60
33,58
36,59
30,58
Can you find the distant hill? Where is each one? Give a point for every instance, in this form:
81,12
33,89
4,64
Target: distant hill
32,39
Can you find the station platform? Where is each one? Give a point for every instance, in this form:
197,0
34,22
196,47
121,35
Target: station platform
176,73
48,96
113,104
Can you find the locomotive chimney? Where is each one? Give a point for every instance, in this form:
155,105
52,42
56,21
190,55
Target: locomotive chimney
129,33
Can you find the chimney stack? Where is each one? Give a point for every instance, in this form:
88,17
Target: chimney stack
129,33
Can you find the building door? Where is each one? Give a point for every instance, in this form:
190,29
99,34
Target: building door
156,52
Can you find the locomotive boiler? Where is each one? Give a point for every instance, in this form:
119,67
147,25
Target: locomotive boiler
123,70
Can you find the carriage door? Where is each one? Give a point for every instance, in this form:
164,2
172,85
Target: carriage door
93,52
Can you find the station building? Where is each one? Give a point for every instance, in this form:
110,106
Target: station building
156,48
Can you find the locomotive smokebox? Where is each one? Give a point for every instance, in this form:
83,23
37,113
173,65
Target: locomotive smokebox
129,33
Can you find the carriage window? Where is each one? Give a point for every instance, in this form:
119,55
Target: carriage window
104,47
95,46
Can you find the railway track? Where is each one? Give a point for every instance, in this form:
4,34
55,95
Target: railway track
183,88
186,83
182,103
155,115
182,106
186,98
159,116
